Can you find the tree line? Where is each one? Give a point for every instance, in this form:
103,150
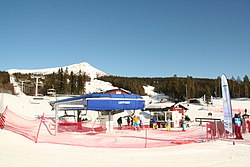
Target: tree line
181,88
5,86
177,88
63,81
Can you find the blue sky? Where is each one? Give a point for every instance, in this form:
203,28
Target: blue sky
139,38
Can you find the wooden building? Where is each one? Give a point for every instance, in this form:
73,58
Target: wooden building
163,111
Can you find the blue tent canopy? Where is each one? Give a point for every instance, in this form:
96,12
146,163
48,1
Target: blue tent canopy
105,102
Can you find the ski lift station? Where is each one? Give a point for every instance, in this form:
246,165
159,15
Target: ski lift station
107,104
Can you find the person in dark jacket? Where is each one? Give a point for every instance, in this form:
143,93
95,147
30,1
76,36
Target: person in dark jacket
119,121
245,117
128,121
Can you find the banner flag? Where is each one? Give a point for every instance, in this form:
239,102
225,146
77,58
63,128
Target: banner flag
227,106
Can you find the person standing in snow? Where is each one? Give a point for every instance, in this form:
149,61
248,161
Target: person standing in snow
154,123
141,124
183,123
135,121
237,122
168,124
128,121
245,116
119,121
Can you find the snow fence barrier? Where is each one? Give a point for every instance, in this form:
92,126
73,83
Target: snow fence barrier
43,130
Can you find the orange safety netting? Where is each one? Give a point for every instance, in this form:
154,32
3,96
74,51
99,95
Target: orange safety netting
43,130
15,123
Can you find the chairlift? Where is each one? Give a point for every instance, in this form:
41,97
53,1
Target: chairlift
51,92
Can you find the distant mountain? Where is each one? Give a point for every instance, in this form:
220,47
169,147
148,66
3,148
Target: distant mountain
75,68
94,85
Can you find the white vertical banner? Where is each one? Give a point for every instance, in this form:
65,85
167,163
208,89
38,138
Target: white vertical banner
227,106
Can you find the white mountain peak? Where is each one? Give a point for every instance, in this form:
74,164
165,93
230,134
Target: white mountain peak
75,68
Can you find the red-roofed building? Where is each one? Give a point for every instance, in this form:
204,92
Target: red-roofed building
118,91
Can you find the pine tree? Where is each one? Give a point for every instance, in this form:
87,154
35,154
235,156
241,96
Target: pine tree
72,83
246,86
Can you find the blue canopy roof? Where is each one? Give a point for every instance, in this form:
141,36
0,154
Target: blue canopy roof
101,101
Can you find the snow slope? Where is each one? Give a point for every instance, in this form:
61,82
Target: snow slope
75,68
93,86
17,150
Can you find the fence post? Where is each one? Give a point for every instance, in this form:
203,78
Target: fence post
39,128
146,137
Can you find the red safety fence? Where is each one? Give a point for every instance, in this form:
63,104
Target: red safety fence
23,126
87,134
234,110
216,131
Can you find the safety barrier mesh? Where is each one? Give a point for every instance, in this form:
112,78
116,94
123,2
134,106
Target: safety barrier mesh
23,126
216,131
43,130
235,110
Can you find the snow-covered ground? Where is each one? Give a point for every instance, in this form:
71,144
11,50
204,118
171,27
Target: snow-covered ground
17,150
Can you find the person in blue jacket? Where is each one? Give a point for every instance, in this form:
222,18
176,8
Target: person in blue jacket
237,122
154,123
